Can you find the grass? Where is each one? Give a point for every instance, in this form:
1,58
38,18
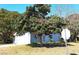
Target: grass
28,50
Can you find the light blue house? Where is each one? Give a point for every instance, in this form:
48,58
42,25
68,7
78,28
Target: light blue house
54,37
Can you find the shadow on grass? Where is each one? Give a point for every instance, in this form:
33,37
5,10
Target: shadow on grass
73,54
47,45
70,45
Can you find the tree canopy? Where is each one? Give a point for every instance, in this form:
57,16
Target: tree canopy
7,23
33,20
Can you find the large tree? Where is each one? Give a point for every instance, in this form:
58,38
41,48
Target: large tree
7,24
38,11
33,20
73,25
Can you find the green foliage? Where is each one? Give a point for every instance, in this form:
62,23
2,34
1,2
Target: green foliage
34,20
37,10
57,21
7,24
54,24
42,9
50,40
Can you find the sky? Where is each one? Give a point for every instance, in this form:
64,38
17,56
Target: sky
56,9
64,9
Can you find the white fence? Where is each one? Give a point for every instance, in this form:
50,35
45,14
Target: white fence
24,39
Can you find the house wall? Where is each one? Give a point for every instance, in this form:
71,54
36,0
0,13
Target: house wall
28,38
24,39
55,38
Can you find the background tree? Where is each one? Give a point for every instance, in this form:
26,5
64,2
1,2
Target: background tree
7,24
73,25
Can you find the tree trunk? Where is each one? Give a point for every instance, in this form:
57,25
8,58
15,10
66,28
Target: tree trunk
40,40
75,36
4,38
76,40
